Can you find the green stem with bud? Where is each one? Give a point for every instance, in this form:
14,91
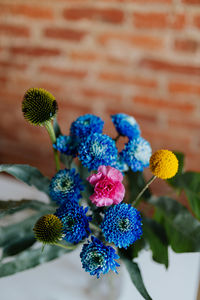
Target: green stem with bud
138,198
49,128
65,246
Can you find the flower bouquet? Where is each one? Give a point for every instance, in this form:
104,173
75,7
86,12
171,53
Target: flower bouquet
94,197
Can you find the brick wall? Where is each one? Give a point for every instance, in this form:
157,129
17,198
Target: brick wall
141,57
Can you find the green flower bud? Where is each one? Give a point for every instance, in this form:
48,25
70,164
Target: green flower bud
48,229
39,106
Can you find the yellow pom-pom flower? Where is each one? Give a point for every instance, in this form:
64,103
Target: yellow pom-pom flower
164,164
48,229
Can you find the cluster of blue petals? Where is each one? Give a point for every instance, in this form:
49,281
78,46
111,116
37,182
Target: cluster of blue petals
74,220
98,149
66,186
120,165
86,125
126,125
136,154
66,145
97,258
122,225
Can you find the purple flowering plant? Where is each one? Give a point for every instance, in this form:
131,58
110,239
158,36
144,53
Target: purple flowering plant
94,197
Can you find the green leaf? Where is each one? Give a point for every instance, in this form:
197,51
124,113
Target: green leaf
12,206
183,230
155,234
56,128
29,175
31,258
134,250
136,183
18,245
136,277
66,160
22,228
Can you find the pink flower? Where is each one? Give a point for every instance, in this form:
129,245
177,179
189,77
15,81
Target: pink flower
108,187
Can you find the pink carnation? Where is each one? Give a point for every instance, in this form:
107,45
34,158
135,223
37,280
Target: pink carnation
108,187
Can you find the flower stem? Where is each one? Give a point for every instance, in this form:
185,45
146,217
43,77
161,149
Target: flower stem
49,128
65,246
95,227
138,198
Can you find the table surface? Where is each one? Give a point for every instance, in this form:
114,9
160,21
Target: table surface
56,280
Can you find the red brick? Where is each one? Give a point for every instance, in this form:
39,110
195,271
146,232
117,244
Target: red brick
184,124
186,45
90,13
158,20
186,88
65,34
80,74
177,21
95,93
14,30
196,21
170,67
35,51
12,65
114,77
30,11
83,55
191,1
155,103
150,20
138,41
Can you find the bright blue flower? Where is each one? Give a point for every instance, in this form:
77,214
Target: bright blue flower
126,125
97,258
98,149
66,144
137,154
122,225
66,185
86,125
75,222
120,165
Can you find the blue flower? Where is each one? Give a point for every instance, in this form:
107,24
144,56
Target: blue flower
137,154
86,125
98,149
97,258
120,165
66,185
122,225
74,220
126,125
66,144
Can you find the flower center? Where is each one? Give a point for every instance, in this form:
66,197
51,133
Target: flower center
104,187
95,260
66,184
124,224
98,149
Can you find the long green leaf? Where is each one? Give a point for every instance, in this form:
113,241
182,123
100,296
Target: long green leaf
136,277
155,234
12,206
31,258
18,245
20,229
28,174
183,230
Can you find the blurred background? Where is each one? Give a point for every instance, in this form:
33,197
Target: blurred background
140,57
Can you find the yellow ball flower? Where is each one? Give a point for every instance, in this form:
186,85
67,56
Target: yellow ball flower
164,164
